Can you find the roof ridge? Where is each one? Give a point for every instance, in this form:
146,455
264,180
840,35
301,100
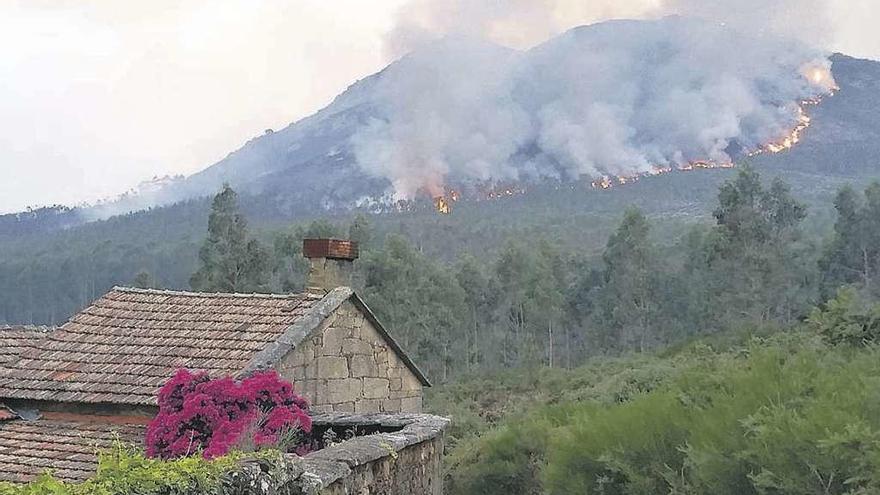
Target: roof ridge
170,292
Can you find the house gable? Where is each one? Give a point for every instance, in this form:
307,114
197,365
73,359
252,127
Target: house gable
348,365
342,359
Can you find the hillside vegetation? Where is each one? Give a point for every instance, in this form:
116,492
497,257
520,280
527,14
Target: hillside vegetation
548,278
790,414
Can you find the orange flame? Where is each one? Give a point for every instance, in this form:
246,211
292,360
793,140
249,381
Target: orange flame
442,205
785,143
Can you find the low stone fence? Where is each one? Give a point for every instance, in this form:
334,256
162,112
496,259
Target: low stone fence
400,456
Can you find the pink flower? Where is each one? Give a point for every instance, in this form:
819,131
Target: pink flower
197,414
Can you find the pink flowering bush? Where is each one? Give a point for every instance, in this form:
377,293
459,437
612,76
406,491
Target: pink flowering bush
198,414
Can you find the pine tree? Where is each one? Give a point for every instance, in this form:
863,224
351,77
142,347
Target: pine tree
229,261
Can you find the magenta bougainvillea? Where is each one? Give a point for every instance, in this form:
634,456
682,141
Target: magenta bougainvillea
214,416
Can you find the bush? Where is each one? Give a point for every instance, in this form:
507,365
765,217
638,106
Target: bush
507,459
773,418
123,470
198,414
847,319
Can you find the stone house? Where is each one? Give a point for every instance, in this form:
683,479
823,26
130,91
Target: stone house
64,392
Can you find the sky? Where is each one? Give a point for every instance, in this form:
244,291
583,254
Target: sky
98,95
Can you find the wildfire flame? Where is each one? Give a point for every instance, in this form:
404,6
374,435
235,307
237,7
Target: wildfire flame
443,202
781,145
817,75
442,205
820,76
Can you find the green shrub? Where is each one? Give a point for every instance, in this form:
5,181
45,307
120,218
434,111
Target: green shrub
783,416
508,459
847,319
125,471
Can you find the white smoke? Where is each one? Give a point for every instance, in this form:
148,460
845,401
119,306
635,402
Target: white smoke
806,20
448,113
523,24
615,98
514,23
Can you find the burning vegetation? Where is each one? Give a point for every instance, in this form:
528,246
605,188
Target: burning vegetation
785,143
818,77
441,203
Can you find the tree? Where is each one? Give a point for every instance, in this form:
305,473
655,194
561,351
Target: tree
580,310
420,301
480,298
628,299
758,264
321,229
531,302
853,255
229,261
359,231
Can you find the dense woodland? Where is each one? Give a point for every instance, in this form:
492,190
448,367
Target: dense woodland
550,290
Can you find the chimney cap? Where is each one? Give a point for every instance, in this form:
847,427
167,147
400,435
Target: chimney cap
336,249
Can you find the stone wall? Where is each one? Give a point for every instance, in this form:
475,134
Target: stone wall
347,366
403,462
404,458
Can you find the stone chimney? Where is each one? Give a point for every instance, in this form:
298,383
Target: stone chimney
331,263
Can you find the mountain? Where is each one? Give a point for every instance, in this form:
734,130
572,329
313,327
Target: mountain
310,166
844,137
533,115
463,109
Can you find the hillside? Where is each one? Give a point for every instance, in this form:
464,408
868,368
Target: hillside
844,138
787,414
45,277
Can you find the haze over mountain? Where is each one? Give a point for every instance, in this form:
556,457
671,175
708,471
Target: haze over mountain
615,98
100,96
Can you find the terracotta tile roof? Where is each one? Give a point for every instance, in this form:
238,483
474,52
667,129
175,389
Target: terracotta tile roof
67,448
130,341
15,339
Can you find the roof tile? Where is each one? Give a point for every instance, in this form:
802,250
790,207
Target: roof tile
17,339
68,448
125,345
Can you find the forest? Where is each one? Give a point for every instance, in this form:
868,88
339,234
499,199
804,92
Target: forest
723,343
551,289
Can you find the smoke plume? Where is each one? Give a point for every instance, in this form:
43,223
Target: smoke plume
615,98
523,24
